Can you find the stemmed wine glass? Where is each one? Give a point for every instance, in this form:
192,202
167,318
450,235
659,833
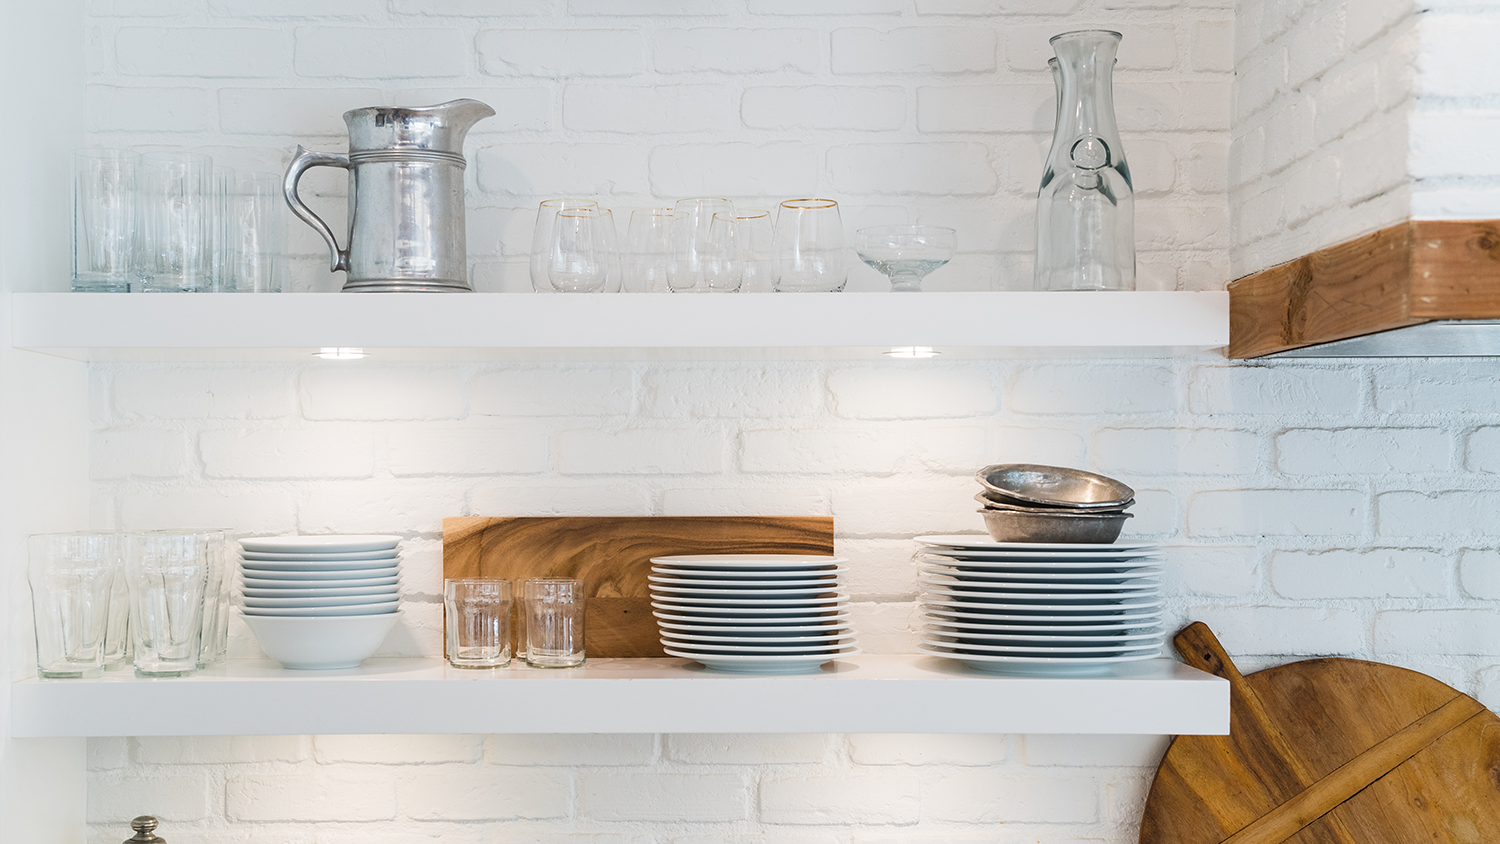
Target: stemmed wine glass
906,254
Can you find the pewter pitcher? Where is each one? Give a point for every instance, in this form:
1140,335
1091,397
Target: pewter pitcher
406,197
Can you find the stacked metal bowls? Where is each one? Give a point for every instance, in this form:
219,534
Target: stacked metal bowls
1028,502
752,613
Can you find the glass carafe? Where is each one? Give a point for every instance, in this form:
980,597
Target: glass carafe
1085,218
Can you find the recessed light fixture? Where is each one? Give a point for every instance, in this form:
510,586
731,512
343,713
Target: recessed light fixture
340,353
912,352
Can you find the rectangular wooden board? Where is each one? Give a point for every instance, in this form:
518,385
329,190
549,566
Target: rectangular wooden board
1403,275
613,557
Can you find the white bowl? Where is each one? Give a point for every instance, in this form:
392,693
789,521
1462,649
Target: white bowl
322,601
383,608
321,643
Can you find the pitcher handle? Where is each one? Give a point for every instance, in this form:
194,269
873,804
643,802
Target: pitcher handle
303,160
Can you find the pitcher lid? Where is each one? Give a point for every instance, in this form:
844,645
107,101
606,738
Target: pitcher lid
440,127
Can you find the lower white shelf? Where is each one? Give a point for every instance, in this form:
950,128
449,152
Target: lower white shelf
863,694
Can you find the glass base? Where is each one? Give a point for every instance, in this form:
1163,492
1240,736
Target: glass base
100,284
480,665
70,673
166,672
555,662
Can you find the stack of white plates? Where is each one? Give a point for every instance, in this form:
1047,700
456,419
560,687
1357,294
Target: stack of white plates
320,601
1039,608
753,613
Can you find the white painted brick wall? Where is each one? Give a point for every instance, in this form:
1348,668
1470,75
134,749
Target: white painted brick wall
932,110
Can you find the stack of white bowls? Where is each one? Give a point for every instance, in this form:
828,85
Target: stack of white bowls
321,601
752,613
1040,607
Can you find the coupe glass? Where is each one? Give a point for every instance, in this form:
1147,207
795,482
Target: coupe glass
647,248
810,247
695,265
541,238
578,259
905,254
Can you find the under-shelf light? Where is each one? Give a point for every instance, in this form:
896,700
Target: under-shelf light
340,353
912,352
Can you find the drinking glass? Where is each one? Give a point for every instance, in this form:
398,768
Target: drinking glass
757,239
688,267
103,219
174,222
251,234
906,254
810,247
648,245
221,567
722,268
578,258
554,622
118,652
168,578
541,238
72,578
478,613
219,278
614,274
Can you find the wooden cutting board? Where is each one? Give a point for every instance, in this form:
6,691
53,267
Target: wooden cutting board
613,556
1329,751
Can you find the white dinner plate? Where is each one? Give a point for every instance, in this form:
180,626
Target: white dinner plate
1148,616
976,542
754,619
323,558
1041,650
959,627
757,649
749,575
328,592
754,629
349,583
341,574
338,565
1039,576
703,583
1022,566
747,594
1002,587
1057,605
757,562
1155,638
329,601
732,602
740,664
320,544
1035,666
362,609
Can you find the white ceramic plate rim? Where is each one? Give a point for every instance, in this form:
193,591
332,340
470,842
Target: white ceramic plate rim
1061,638
350,583
1033,660
992,587
756,592
734,562
1022,597
1087,606
741,650
749,574
372,556
790,603
1042,649
1150,617
321,543
253,602
803,620
323,592
767,658
976,542
1050,629
1039,576
699,583
733,630
325,612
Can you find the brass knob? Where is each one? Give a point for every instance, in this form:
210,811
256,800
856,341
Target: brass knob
143,827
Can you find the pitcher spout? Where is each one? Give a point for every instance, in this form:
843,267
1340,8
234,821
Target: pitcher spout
439,128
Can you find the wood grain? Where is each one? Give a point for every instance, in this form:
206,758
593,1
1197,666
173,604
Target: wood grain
1329,750
1407,274
613,557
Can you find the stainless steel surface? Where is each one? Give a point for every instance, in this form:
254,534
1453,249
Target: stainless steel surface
1014,526
1031,484
1443,338
993,504
406,194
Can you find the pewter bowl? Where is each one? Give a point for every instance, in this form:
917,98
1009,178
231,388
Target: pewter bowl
998,503
1030,484
1015,526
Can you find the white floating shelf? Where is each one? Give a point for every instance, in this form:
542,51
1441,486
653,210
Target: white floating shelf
863,694
227,326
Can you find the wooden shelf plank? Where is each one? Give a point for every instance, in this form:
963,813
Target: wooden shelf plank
862,694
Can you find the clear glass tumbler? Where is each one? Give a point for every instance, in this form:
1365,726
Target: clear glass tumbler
691,266
222,563
478,611
168,575
757,239
647,248
118,650
578,258
175,221
810,247
541,239
103,219
72,578
554,622
250,223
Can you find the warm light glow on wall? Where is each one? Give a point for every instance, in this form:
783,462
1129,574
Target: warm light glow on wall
913,352
340,353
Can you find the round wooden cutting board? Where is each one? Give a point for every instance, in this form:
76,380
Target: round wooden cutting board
1329,751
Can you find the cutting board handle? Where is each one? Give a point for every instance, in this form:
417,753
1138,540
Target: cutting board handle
1200,648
